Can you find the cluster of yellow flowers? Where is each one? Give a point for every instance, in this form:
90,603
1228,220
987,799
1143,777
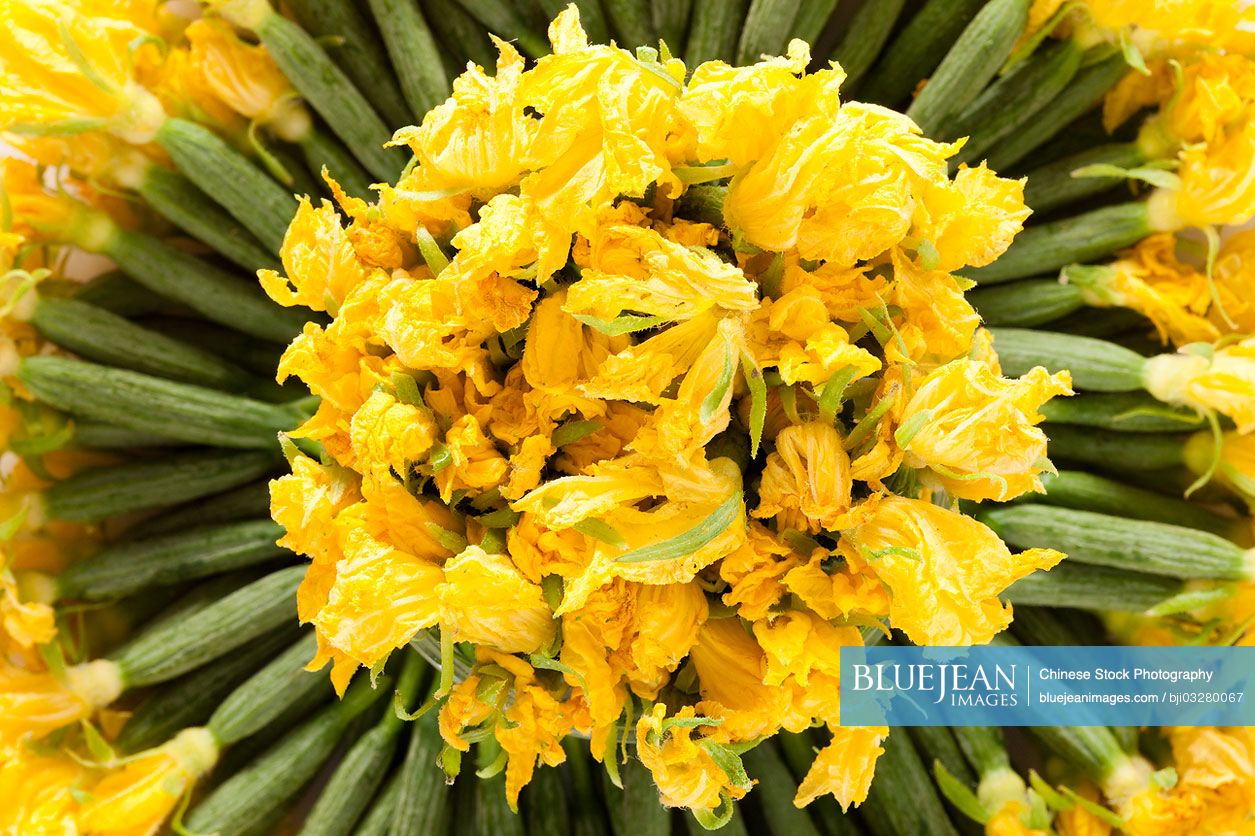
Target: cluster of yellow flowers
637,465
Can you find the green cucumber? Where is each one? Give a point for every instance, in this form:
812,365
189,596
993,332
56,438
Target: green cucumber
502,19
212,292
177,199
1124,411
115,292
161,407
713,31
766,29
632,22
415,56
1057,627
917,50
256,702
353,44
864,38
249,194
937,743
974,59
1087,237
1013,100
1134,545
1103,322
671,22
900,774
162,652
378,816
139,565
97,334
1084,93
634,810
97,435
267,785
1096,588
544,803
245,502
189,700
323,151
103,492
365,765
424,807
1026,303
1093,748
464,41
983,747
1120,451
258,356
588,817
812,20
328,91
799,754
490,812
1054,185
1095,365
775,791
1088,492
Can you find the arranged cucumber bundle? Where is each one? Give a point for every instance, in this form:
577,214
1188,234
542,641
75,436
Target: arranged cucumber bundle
148,421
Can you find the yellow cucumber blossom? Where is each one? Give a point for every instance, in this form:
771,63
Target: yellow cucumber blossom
632,448
138,795
1219,380
246,79
36,703
67,69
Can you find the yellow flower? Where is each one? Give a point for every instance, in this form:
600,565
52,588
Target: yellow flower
720,100
731,667
379,599
389,435
840,186
71,70
474,462
536,722
1234,276
41,791
971,220
1236,466
631,268
246,78
945,570
561,354
322,266
793,334
484,599
686,774
844,768
1078,821
849,592
306,501
1225,383
1008,820
1216,92
1217,184
1217,766
755,572
479,139
641,372
666,621
1152,281
803,653
33,704
806,482
978,431
937,322
23,624
139,796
